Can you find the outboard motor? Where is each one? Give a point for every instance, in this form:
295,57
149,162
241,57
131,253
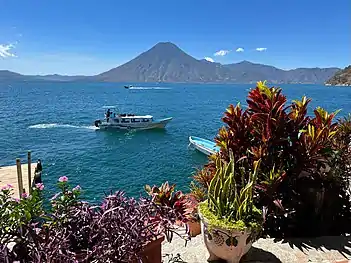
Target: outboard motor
97,122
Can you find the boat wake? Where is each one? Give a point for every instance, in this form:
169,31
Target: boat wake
147,88
57,125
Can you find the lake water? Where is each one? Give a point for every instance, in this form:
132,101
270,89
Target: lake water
55,121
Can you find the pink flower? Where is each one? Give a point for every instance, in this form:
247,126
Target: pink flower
24,195
6,187
40,186
77,188
63,179
17,200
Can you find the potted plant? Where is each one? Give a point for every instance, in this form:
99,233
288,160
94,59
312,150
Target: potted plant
230,221
166,196
121,229
132,230
192,215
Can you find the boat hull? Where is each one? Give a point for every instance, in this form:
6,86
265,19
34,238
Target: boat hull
205,146
157,124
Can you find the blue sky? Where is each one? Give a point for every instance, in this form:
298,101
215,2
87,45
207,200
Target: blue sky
89,37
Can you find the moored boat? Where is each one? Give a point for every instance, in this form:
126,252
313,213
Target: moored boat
205,146
115,120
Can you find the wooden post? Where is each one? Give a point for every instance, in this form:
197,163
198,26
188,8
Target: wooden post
19,176
29,172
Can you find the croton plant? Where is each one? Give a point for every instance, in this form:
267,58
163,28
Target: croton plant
304,173
185,205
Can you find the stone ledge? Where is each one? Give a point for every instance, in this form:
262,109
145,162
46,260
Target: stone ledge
317,250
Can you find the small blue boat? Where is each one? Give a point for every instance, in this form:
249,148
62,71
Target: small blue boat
205,146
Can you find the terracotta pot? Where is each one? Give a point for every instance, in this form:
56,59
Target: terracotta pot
179,223
228,245
194,228
152,251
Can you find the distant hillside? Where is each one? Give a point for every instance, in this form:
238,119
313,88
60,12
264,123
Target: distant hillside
56,77
342,78
165,62
6,75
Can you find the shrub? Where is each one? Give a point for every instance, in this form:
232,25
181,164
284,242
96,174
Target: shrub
166,196
76,231
303,177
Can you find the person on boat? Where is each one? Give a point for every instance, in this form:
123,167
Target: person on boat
39,166
108,114
37,176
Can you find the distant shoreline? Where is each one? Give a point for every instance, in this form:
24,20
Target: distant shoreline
121,84
338,85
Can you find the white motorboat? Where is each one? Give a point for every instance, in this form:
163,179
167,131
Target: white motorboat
115,120
205,146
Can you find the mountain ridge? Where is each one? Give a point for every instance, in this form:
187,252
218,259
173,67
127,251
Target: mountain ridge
178,66
166,62
341,78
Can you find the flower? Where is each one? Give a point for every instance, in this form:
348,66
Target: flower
7,187
77,188
63,179
40,186
24,195
17,200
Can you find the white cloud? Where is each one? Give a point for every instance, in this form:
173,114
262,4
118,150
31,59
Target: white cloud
209,59
222,53
5,51
260,49
240,49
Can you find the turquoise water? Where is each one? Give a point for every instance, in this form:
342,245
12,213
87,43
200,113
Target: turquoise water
55,121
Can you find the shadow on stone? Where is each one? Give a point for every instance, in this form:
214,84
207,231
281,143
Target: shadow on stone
259,255
339,243
170,258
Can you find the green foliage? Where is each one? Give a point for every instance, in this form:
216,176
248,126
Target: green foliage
199,192
227,199
15,214
253,220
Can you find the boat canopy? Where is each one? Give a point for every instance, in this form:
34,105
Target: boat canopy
127,116
109,107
